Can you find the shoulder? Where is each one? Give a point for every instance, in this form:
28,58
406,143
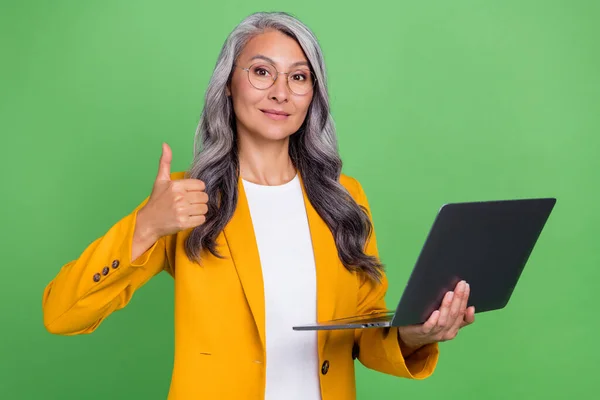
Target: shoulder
177,175
353,187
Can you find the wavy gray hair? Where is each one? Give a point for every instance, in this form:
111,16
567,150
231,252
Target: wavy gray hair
313,151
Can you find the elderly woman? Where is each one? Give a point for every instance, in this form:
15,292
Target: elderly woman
263,232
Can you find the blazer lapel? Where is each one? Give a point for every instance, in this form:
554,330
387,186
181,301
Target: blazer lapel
327,266
241,241
239,234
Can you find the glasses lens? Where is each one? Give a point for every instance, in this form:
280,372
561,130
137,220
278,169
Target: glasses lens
261,75
301,81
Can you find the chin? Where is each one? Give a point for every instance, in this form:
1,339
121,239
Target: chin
277,135
273,133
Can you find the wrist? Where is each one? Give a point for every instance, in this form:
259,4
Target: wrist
408,347
144,231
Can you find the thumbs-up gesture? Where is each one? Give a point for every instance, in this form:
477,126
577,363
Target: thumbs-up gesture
173,206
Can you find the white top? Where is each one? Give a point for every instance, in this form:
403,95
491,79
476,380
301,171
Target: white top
288,267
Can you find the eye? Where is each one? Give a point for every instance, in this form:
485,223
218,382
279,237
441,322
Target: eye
300,76
262,72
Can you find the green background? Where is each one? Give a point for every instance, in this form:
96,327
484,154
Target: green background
434,101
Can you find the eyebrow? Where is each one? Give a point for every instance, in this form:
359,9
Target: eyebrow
261,57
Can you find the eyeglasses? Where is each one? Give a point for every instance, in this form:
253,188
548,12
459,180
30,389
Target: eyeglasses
262,75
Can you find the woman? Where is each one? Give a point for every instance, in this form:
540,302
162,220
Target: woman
262,233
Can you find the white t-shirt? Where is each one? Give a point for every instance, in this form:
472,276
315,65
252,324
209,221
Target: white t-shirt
288,267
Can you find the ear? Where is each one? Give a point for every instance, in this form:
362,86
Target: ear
227,89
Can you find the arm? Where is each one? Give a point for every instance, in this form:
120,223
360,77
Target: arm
103,278
381,348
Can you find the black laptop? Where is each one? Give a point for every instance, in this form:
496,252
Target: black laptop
484,243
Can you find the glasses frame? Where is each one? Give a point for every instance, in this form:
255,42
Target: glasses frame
277,73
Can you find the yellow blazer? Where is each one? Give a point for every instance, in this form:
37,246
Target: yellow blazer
220,310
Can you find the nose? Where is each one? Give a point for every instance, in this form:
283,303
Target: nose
279,91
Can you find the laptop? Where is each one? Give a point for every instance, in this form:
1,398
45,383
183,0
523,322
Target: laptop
486,243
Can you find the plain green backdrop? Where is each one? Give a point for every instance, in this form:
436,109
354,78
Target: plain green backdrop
434,102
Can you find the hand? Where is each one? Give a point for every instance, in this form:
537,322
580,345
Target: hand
443,324
173,206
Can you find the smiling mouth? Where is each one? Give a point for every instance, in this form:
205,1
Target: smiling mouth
275,115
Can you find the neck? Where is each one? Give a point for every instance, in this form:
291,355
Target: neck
265,162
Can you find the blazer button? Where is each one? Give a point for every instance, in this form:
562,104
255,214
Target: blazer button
105,271
96,277
115,264
325,367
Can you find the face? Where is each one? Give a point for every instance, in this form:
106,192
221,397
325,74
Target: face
277,112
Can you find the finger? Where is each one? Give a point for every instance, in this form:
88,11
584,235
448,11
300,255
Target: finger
196,220
198,209
431,322
197,197
459,304
469,317
444,311
164,164
192,185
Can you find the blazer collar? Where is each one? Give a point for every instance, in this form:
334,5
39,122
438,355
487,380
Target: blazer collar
241,240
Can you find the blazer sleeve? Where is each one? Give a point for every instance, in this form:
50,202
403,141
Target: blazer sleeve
102,280
379,348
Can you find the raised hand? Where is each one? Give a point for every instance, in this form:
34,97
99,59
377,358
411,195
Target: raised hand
173,206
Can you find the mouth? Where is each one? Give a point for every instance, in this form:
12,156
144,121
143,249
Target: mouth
276,114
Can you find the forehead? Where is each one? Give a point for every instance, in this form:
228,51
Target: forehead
275,45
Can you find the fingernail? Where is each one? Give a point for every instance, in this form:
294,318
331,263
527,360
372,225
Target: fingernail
450,295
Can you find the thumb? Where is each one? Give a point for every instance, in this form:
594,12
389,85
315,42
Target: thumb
164,165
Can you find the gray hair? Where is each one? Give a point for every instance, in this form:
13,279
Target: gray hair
313,151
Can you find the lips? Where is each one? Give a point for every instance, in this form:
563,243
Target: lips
275,114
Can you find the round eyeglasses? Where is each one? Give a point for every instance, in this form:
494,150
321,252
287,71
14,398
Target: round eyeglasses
263,75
